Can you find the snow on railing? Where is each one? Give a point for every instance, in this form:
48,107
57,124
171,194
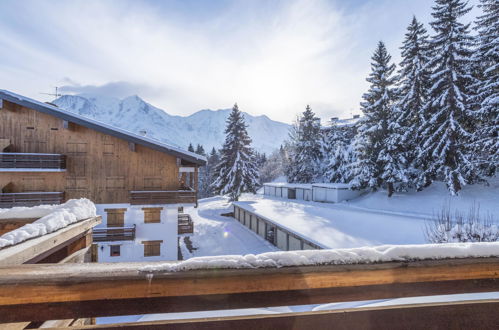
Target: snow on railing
363,255
51,218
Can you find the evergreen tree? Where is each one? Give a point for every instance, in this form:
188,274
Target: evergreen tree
447,118
200,150
339,154
190,148
413,86
378,141
237,171
486,59
306,149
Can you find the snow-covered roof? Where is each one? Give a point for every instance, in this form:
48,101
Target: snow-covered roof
332,185
101,127
288,185
52,218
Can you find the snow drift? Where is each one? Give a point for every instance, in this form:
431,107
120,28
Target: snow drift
383,253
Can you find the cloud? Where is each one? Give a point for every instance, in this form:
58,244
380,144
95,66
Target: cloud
272,57
118,89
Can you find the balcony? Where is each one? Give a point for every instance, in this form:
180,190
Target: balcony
111,234
26,162
8,200
185,224
163,197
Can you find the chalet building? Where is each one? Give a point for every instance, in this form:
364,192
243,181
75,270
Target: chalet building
49,155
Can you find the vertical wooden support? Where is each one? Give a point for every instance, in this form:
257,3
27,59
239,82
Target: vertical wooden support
196,183
1,103
94,254
132,146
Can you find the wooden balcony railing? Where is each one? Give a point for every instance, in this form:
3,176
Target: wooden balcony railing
10,160
185,224
72,291
163,197
8,200
111,234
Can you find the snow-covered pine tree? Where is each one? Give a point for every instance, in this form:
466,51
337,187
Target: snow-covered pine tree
379,157
200,150
413,86
237,171
339,153
306,149
486,59
447,117
190,148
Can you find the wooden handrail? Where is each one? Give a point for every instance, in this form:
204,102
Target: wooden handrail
163,197
32,292
8,200
32,161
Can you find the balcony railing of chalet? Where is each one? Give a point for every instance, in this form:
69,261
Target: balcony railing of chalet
8,200
11,160
71,291
111,234
163,197
185,224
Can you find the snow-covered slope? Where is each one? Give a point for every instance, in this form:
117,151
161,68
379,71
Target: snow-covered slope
205,127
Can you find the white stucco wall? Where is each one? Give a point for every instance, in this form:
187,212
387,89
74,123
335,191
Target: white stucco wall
166,231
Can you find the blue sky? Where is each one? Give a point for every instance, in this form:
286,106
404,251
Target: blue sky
272,57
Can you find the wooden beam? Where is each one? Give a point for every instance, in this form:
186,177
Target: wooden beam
475,314
7,225
132,146
30,249
31,292
1,103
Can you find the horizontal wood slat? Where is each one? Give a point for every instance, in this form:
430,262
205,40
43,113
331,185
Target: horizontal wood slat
185,224
32,161
110,234
162,197
72,291
453,315
9,200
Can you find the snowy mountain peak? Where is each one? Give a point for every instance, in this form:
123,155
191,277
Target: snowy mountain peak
205,127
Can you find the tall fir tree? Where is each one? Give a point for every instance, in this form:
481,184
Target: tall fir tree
200,150
237,171
190,148
306,149
445,153
486,60
377,144
339,153
413,87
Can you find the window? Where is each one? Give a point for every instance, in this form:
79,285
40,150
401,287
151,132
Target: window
152,214
115,217
152,248
115,251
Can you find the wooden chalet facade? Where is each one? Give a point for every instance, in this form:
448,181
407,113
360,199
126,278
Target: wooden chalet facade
49,155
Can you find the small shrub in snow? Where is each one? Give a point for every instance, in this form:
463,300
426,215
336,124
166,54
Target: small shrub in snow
447,227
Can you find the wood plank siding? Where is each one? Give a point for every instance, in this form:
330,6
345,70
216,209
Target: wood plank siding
99,166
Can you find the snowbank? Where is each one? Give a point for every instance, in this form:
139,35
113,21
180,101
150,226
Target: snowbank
52,218
384,253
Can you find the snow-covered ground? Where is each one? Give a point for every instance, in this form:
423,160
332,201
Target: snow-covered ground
215,234
431,200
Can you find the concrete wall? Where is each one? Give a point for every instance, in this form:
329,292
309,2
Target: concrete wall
294,243
284,240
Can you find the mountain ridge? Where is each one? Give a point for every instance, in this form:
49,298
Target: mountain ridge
205,127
